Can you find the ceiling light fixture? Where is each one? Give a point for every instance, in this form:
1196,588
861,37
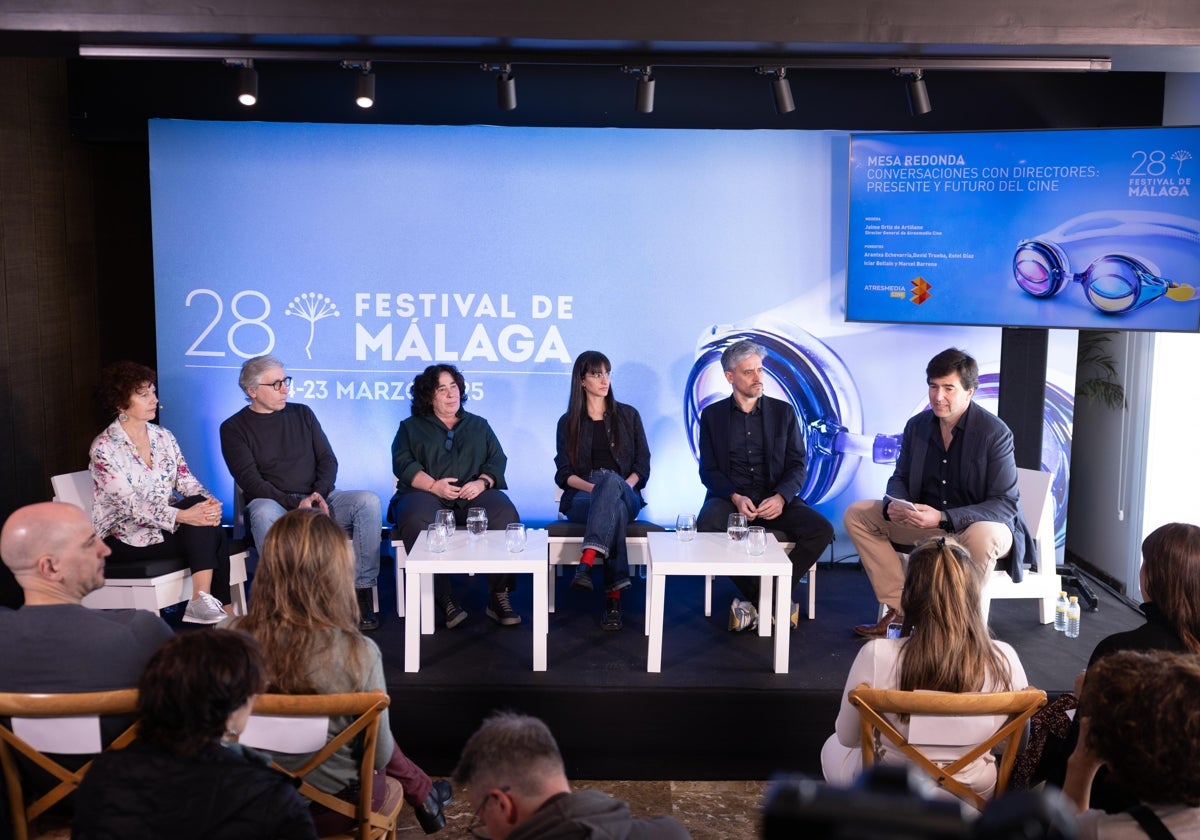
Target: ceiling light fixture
247,82
644,102
918,96
781,89
364,85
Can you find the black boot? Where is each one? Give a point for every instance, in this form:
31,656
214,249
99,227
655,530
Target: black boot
429,813
367,620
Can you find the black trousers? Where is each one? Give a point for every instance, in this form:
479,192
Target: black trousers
415,511
202,547
798,523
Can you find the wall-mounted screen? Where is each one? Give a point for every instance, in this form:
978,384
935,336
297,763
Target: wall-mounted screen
1096,229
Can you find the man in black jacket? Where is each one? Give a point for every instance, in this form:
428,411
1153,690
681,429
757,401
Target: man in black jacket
956,474
752,460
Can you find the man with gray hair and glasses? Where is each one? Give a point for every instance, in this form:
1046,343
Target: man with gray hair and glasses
280,458
517,787
752,461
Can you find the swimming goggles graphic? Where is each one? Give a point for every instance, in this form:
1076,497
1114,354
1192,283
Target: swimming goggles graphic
1114,283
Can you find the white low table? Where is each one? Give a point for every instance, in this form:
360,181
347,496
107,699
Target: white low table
716,554
485,554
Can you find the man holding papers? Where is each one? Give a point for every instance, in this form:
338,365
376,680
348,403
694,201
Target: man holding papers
955,475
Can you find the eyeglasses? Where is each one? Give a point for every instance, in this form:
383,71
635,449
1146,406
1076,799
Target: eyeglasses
278,384
449,440
599,374
477,829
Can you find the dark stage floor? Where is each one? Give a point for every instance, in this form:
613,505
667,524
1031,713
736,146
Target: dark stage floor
716,711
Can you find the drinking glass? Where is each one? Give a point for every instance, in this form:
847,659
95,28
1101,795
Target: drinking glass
756,540
685,527
736,527
445,518
436,538
514,537
476,521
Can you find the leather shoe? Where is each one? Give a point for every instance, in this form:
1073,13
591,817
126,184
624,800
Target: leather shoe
430,814
879,630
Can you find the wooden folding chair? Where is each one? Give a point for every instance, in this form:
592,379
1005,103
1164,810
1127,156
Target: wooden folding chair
1016,706
41,725
298,724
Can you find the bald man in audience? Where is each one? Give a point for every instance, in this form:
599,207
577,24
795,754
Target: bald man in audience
54,643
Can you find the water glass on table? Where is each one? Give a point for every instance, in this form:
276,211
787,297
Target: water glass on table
685,527
436,538
736,527
756,540
476,521
514,537
445,518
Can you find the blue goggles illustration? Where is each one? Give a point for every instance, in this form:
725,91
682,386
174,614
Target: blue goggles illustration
1114,283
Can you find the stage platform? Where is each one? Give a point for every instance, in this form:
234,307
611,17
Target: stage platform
716,712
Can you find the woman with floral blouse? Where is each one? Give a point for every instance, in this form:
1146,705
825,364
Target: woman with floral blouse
147,504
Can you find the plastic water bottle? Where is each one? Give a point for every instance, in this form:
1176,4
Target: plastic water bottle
1060,613
1073,618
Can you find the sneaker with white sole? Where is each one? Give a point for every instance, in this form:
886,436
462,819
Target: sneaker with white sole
742,616
204,609
500,610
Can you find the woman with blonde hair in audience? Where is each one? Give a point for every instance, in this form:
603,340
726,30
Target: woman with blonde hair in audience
944,646
305,614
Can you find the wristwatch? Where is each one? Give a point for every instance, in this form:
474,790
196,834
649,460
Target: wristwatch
488,483
945,523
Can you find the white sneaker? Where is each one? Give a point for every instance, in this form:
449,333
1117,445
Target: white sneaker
742,616
204,609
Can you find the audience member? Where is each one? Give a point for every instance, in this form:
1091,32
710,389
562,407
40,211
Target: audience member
446,458
955,474
752,462
518,789
602,462
305,618
945,647
183,777
1139,717
53,643
281,460
147,504
1170,584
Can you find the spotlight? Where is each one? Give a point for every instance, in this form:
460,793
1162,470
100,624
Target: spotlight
781,89
918,96
506,85
247,84
364,85
645,87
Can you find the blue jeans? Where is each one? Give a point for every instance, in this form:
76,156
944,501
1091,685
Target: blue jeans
604,513
356,511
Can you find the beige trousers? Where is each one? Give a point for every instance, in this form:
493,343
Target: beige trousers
873,536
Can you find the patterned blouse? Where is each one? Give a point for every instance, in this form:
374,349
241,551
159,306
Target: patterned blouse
133,499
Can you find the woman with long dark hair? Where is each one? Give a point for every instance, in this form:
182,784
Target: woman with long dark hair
602,463
944,646
304,614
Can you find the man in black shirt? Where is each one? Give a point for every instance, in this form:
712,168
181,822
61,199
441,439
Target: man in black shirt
752,461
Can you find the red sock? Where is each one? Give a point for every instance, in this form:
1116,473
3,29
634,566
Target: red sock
616,594
589,557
